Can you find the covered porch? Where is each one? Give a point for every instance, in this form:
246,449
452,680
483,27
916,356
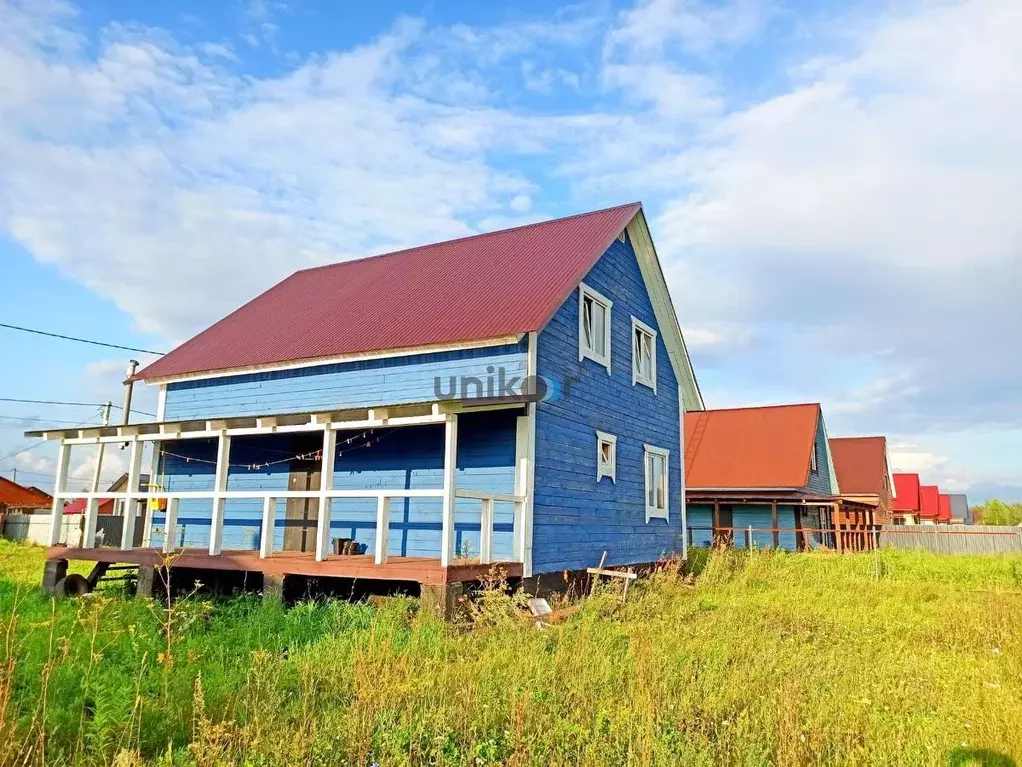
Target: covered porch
433,493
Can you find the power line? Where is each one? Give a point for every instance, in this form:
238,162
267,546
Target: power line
32,418
80,340
73,404
43,441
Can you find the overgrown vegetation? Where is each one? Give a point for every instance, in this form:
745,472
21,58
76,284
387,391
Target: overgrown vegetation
908,658
995,512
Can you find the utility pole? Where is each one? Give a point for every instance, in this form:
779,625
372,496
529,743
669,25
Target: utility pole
101,448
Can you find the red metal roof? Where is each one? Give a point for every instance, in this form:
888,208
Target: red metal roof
860,463
485,286
18,496
944,507
753,447
906,493
929,501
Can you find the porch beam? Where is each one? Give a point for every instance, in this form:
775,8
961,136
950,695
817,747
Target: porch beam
326,483
382,529
59,486
132,494
773,524
266,532
89,523
170,525
486,532
449,499
216,529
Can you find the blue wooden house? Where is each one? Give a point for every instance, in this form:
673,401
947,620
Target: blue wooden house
514,397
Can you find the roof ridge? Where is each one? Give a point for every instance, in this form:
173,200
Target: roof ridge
477,235
761,407
874,436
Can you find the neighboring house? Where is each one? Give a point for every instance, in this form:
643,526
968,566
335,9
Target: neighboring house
944,508
19,499
765,468
108,505
906,499
960,512
929,504
864,476
513,397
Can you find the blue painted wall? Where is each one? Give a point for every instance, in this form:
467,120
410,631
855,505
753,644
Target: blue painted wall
700,522
819,481
576,519
405,457
390,381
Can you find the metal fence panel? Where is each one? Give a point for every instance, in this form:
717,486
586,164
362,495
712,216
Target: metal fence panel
954,539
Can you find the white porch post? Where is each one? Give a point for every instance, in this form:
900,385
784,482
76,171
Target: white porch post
382,529
131,499
59,486
92,504
216,529
170,525
486,532
449,501
326,482
269,518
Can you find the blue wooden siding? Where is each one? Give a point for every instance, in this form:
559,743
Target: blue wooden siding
576,519
405,457
388,381
819,481
700,524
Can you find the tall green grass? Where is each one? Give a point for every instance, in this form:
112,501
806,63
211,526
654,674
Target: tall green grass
905,658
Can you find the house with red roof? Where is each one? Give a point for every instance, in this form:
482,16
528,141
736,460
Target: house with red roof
864,476
906,503
19,499
760,476
511,398
929,504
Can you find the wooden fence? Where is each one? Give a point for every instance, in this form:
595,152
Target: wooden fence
953,539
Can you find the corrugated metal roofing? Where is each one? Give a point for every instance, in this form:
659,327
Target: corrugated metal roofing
18,496
860,463
929,501
906,493
754,447
944,507
960,507
485,286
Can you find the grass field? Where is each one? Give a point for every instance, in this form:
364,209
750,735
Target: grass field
763,659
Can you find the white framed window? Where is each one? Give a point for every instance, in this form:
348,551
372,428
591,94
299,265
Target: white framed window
813,465
623,236
594,326
643,354
656,482
606,456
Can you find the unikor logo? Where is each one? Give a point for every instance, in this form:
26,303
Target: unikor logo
499,385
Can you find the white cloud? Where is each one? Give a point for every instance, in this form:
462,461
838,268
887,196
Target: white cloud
697,27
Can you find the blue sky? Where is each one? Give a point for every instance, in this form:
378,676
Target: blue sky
832,187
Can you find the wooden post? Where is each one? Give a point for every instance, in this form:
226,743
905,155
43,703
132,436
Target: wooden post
266,532
326,483
839,536
59,486
170,525
486,532
449,500
382,529
90,521
131,499
716,523
773,524
216,528
800,542
516,526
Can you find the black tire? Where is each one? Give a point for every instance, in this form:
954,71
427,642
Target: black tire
73,585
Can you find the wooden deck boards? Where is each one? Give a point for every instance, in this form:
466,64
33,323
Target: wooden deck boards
418,569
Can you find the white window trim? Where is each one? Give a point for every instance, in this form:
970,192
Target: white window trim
638,324
601,437
814,465
623,236
651,511
584,353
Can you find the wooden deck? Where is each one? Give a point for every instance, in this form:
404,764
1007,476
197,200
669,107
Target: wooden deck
417,569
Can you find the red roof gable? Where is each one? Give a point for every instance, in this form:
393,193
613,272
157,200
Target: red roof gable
485,286
754,447
906,493
929,501
18,496
860,464
944,507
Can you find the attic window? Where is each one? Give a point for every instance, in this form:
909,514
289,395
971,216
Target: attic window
623,236
606,456
594,326
643,354
813,466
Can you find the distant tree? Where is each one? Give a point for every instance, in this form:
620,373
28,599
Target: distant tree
995,512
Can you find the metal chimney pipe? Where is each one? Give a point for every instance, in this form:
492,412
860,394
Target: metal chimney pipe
128,385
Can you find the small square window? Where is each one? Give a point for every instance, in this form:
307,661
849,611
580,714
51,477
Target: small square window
606,456
594,326
656,483
643,354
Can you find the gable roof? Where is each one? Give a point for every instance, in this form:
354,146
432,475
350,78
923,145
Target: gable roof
14,495
750,448
929,501
960,507
906,493
497,285
944,507
860,463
